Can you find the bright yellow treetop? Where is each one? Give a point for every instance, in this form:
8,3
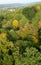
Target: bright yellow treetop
15,23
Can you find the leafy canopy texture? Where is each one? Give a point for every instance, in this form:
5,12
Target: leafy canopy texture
20,36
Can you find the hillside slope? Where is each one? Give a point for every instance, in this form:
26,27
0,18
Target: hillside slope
20,36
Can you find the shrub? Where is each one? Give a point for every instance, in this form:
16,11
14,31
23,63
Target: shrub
29,12
12,35
30,57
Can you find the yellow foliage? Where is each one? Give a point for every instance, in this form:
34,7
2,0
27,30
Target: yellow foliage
3,35
4,50
39,24
22,33
15,23
38,7
35,39
10,44
30,29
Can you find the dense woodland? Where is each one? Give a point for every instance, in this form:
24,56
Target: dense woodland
20,36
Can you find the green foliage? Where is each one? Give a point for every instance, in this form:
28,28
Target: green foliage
17,16
20,45
30,57
2,30
39,35
36,19
1,18
12,35
29,12
23,21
